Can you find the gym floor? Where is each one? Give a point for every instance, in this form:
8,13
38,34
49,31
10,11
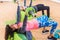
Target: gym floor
8,12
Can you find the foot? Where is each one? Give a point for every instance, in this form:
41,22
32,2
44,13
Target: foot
45,31
51,38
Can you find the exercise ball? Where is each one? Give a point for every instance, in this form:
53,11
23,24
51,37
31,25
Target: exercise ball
57,34
18,36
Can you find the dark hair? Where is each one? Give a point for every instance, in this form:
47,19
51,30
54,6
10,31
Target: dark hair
8,31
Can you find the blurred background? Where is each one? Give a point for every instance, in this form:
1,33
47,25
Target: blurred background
8,12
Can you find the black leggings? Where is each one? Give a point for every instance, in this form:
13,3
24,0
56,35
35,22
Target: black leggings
41,7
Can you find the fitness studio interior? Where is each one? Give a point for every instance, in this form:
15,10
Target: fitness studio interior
29,20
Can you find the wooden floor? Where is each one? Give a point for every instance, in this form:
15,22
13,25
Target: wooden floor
8,12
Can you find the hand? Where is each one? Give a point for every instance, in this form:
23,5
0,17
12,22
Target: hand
14,26
22,7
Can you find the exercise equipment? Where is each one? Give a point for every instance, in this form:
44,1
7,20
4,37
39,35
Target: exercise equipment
18,36
57,34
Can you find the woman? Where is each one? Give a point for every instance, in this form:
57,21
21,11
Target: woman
36,23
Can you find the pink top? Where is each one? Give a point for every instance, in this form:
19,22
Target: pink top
31,24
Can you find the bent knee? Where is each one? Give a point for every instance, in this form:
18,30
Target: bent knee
55,23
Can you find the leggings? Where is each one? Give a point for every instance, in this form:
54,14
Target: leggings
41,7
34,23
51,23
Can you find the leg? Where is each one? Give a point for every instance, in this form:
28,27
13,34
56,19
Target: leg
24,2
30,3
48,10
45,30
29,35
42,23
42,12
38,7
54,25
